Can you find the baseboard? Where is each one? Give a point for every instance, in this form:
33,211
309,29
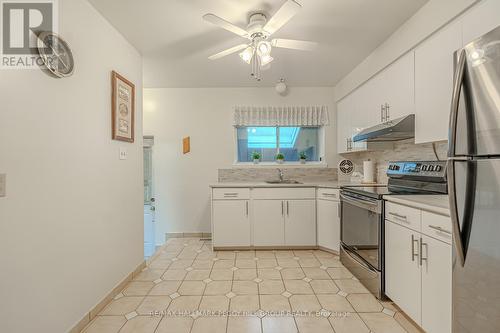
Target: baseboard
243,248
87,318
170,235
328,250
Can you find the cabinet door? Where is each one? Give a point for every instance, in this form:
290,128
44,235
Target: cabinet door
398,82
344,114
436,286
402,270
480,20
231,223
434,83
300,222
268,222
328,224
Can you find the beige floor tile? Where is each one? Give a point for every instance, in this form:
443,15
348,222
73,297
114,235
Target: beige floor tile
206,256
278,325
243,325
284,254
288,262
226,254
407,324
122,306
324,254
185,303
209,325
244,303
304,303
274,303
330,262
165,288
335,303
152,304
309,262
265,254
202,264
245,263
245,255
105,324
221,274
364,303
188,254
316,273
149,275
271,287
218,287
339,273
214,303
181,264
245,288
292,273
381,323
174,274
141,324
298,287
348,323
324,287
304,254
245,274
223,263
267,263
191,288
175,325
351,286
268,274
160,263
198,275
314,325
138,288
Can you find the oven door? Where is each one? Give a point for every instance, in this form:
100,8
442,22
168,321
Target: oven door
361,227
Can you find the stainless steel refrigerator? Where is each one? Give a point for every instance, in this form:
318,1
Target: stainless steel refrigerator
474,186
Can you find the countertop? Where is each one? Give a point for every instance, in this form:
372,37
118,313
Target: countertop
334,184
438,204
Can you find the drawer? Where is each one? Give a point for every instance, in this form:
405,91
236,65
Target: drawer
231,194
437,226
403,215
284,193
328,194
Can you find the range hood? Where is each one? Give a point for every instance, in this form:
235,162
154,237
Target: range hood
394,130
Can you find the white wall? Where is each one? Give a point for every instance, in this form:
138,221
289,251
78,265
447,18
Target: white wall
71,226
206,115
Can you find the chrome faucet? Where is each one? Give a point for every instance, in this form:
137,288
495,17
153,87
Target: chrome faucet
280,174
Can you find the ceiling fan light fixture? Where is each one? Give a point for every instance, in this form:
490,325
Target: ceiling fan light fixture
264,48
265,60
247,54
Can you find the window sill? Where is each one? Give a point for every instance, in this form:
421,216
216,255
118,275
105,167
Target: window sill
270,165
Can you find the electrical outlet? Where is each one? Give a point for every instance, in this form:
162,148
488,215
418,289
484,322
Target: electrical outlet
3,184
123,153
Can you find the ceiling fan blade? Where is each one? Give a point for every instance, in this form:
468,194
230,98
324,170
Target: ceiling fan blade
294,44
228,52
282,16
220,22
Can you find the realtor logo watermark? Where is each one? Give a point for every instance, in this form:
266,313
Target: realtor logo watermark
21,22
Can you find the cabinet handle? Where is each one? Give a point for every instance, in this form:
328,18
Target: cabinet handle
282,208
381,113
387,114
246,206
287,209
333,195
339,210
401,217
438,228
422,244
413,254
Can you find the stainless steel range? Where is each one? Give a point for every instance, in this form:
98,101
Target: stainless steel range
362,217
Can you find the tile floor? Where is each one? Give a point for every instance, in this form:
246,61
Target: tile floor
188,288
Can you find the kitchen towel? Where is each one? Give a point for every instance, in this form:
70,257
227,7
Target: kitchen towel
368,172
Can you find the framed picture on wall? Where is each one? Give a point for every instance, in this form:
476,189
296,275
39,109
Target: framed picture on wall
122,108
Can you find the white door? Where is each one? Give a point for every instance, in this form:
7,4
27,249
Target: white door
300,222
434,83
149,230
399,86
231,223
436,286
402,269
149,201
268,222
328,224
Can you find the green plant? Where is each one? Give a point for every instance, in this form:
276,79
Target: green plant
256,155
303,155
280,156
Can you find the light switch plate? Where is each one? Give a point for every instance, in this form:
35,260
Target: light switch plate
123,153
3,184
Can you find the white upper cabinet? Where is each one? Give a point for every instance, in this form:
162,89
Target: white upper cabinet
434,83
481,19
344,114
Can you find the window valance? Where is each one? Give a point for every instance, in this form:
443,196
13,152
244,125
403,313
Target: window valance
281,116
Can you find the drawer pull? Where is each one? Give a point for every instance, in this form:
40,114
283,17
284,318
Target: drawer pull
437,228
401,217
230,194
330,195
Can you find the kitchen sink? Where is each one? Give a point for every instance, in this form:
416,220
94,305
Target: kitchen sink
285,181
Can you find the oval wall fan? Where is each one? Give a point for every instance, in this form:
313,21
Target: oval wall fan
346,167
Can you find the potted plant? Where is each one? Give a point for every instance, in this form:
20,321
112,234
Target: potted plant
256,157
303,157
280,158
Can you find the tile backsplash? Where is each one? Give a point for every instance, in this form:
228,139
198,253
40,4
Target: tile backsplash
262,174
402,151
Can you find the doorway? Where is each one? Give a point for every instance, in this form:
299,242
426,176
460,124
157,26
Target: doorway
149,200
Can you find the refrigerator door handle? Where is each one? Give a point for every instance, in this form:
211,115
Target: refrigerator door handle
455,223
457,86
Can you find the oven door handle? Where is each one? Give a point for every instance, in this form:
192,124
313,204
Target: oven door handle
357,259
372,206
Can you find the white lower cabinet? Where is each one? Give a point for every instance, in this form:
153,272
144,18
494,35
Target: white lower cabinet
300,222
268,222
328,219
233,222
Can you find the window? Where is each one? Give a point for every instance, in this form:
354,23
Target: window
269,141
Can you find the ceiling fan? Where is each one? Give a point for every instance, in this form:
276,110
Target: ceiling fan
259,30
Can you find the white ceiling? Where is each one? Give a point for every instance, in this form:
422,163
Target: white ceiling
175,42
